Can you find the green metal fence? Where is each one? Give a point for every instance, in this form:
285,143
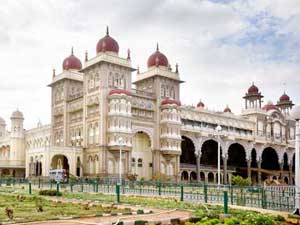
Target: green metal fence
280,198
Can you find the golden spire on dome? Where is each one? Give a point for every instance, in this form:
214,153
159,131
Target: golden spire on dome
107,31
53,72
128,54
72,51
157,47
86,55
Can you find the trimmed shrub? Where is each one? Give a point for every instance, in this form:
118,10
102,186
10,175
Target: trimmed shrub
240,181
99,214
50,193
175,221
140,222
140,211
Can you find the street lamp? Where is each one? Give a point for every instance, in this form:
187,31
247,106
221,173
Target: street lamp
295,113
120,142
218,130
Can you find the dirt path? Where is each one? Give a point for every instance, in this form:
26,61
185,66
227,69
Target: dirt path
163,216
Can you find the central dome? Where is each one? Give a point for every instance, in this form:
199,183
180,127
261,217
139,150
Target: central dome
107,44
157,59
270,106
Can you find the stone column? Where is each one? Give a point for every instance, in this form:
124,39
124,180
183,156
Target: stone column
225,170
206,177
198,156
249,169
259,171
281,170
291,173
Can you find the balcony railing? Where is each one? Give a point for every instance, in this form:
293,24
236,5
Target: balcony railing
143,93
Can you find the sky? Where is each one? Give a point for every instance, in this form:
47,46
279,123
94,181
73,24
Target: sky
221,46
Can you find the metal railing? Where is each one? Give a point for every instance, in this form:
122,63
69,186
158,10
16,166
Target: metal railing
281,198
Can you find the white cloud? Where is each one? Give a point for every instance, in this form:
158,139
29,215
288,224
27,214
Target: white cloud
36,36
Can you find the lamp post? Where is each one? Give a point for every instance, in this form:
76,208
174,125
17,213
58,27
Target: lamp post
218,130
120,142
295,113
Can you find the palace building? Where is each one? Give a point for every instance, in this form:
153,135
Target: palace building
96,109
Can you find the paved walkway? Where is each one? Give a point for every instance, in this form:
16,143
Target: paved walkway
163,216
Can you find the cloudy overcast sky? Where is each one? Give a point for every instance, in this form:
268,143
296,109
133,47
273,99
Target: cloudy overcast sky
221,46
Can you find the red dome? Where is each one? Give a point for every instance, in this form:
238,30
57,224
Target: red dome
200,105
253,89
107,44
284,98
270,106
157,59
169,101
119,91
72,62
227,109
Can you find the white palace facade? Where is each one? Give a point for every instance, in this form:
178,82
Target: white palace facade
95,105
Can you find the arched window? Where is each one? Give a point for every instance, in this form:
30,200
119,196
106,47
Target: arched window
91,134
96,133
133,162
140,162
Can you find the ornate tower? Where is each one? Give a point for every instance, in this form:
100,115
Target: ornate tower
66,89
120,126
2,127
285,104
17,148
253,98
165,84
107,84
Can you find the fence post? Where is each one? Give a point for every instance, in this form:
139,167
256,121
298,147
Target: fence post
118,193
71,187
57,188
205,193
159,188
225,202
96,186
263,198
29,186
81,186
181,193
231,194
39,182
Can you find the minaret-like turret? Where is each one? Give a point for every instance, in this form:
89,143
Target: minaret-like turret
2,127
253,98
17,130
17,148
285,104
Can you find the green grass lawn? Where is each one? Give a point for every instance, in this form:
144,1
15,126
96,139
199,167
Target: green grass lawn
207,214
26,211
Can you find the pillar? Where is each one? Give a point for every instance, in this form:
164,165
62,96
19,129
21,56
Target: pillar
281,170
259,171
206,177
198,167
249,169
225,170
291,173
